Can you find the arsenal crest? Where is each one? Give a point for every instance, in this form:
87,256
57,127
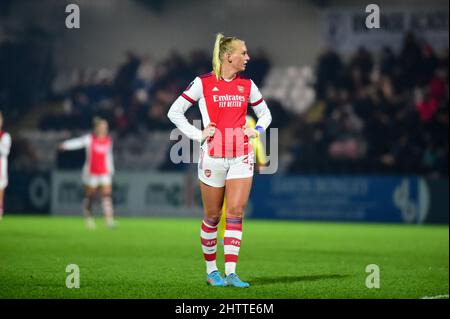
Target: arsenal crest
240,88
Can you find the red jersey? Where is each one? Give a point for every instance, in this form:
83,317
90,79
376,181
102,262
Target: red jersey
99,149
99,158
224,103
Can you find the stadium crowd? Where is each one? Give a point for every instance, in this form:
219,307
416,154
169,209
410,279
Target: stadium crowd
136,98
373,113
386,114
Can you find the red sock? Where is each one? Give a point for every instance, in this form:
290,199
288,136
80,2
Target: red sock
87,206
232,243
208,236
107,207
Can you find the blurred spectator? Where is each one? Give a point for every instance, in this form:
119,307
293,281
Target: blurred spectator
362,64
426,104
145,73
125,77
121,122
387,116
328,71
388,63
410,60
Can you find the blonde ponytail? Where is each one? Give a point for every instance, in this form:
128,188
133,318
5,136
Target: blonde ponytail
216,55
222,45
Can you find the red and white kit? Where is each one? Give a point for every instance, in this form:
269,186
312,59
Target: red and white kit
228,154
99,166
5,146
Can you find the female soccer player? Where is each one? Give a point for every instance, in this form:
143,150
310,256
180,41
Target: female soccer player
226,161
97,170
5,146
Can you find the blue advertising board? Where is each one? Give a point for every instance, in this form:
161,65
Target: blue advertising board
28,193
341,198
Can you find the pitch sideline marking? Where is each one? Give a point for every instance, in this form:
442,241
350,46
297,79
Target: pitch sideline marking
436,297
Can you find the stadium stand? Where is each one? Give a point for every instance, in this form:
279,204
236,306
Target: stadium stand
366,114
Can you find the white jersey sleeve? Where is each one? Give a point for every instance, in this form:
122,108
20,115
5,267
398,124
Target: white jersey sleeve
5,144
176,112
260,108
110,160
194,91
76,143
255,95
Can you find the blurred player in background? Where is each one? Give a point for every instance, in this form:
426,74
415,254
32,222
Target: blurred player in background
261,161
226,161
5,146
97,170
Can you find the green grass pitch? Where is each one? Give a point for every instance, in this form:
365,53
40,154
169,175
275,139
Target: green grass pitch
161,258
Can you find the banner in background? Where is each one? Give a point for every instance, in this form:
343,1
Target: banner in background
396,199
344,29
28,193
135,194
439,206
373,199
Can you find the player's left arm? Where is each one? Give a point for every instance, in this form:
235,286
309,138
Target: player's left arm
5,144
260,108
110,160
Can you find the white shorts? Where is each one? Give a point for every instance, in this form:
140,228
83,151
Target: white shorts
213,171
96,180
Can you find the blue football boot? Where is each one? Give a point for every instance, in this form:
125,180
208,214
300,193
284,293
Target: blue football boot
215,279
234,280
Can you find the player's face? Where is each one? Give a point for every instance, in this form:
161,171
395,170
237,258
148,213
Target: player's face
239,57
102,128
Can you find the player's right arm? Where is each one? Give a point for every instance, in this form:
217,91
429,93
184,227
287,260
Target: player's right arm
75,143
176,112
5,144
